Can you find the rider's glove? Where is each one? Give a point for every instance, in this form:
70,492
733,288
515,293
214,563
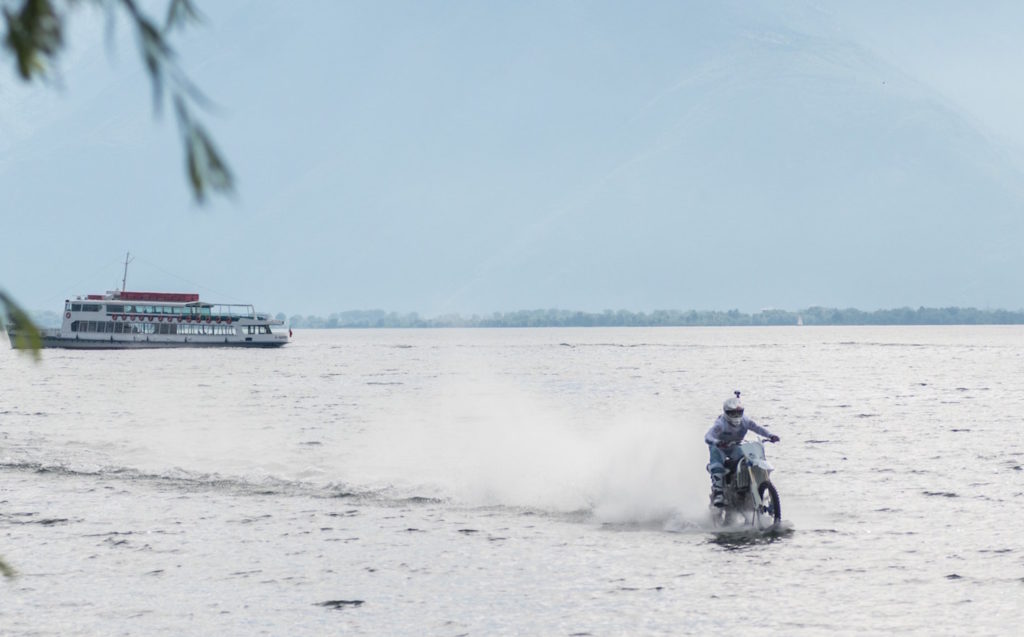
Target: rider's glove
773,438
721,444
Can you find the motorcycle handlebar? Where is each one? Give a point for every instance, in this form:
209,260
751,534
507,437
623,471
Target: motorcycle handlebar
722,444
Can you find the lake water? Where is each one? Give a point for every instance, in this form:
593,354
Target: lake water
504,482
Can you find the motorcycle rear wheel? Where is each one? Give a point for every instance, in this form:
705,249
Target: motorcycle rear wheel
771,506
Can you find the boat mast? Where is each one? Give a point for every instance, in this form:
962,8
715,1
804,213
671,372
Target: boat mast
127,260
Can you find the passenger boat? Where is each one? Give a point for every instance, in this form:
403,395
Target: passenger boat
136,320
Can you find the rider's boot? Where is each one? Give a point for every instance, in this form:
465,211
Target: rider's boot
717,498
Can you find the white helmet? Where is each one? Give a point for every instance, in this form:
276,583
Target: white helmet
733,409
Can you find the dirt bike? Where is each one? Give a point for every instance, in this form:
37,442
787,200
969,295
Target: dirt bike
748,492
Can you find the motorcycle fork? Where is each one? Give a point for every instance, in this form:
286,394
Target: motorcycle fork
755,489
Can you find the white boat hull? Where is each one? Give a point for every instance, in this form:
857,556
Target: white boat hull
112,342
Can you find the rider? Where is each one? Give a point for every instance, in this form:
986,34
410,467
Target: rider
723,441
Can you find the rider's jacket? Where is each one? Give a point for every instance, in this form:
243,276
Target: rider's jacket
725,431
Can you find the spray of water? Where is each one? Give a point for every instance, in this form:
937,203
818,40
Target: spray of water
492,444
489,441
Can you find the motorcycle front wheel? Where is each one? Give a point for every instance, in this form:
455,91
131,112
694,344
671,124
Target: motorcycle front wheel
721,516
771,506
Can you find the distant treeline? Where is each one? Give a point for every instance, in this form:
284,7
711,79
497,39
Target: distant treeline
664,318
355,319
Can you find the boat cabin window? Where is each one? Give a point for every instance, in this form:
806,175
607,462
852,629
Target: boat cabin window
118,327
91,307
76,307
115,309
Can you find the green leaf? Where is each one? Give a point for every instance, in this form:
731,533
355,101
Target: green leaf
156,54
180,13
27,335
204,164
218,175
6,570
33,35
195,172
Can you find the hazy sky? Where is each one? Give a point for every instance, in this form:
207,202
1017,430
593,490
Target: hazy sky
487,156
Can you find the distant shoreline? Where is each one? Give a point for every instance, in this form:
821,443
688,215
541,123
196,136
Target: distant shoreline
370,319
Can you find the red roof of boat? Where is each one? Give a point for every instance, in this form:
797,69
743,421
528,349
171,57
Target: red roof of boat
169,297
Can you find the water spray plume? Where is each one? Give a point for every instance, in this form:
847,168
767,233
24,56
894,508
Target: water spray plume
489,444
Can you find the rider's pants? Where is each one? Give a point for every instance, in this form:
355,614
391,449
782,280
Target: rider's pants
716,466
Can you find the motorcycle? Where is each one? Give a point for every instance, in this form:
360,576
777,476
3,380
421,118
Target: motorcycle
748,492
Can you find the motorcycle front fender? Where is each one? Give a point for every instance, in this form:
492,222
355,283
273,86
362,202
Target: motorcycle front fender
761,464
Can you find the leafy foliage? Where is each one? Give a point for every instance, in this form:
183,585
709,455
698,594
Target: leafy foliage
28,337
6,570
34,34
35,37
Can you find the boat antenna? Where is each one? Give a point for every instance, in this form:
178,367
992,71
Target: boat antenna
127,260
